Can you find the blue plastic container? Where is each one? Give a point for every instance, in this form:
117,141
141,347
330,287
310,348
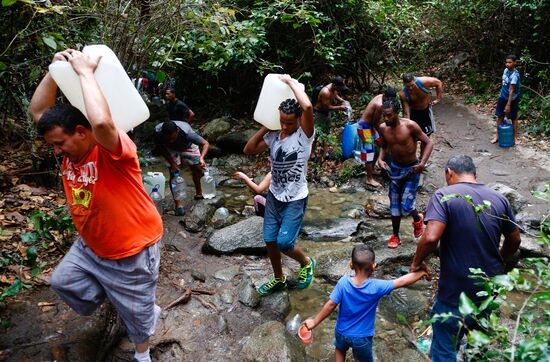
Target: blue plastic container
506,134
349,139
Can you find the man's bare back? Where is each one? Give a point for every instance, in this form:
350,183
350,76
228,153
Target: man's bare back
373,113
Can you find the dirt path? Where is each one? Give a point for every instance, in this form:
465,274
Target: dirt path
525,167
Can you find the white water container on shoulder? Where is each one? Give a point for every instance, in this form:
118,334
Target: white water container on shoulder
274,91
127,107
152,179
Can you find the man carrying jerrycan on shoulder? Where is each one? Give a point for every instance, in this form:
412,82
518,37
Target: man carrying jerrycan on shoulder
286,202
118,252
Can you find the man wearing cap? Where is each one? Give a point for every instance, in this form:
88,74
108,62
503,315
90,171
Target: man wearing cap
325,103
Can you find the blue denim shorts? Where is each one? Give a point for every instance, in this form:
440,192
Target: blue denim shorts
282,221
361,347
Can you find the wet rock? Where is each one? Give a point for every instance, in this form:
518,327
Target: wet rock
226,296
216,128
365,232
275,306
529,247
248,211
235,141
516,200
408,302
247,293
245,236
333,189
329,229
196,218
198,275
227,274
270,342
500,172
451,66
378,206
213,152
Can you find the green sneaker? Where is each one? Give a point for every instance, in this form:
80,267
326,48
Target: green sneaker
274,285
305,276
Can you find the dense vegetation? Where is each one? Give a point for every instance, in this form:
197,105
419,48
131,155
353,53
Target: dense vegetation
205,44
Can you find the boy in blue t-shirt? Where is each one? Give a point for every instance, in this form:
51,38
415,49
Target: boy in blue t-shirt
508,100
358,298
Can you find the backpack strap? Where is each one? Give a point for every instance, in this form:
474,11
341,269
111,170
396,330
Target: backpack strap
421,86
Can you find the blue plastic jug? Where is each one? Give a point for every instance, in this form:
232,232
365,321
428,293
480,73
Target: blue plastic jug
506,134
349,139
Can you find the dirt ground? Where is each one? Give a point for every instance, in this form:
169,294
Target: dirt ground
43,328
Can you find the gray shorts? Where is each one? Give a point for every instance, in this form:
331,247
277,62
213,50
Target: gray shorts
83,280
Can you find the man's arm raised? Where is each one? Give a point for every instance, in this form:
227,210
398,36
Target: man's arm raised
304,102
97,109
44,95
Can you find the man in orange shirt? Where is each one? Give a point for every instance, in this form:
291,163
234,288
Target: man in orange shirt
118,254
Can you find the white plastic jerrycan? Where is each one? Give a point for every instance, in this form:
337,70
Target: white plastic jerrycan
152,180
274,91
127,107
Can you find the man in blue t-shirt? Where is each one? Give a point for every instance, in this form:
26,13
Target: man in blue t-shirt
466,241
358,298
508,100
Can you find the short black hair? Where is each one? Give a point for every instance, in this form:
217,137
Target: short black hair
171,90
168,128
362,257
393,104
512,57
461,164
407,77
390,93
65,116
291,106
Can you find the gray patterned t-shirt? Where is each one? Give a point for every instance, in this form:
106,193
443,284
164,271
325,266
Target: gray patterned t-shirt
289,158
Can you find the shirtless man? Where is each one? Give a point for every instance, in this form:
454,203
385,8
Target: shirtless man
417,100
399,136
328,96
367,127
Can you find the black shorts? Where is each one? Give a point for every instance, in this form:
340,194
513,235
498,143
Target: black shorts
425,119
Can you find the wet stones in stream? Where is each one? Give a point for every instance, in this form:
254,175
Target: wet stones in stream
271,342
244,236
329,229
201,212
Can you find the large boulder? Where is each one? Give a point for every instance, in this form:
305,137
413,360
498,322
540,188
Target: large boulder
270,342
244,236
215,129
516,200
378,206
235,141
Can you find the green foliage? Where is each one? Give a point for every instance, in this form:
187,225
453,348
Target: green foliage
476,81
60,222
347,173
13,289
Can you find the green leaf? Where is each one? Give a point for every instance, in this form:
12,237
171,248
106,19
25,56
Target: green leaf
541,297
161,76
449,197
49,41
28,237
542,195
13,289
32,254
478,338
469,199
3,66
6,3
466,306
